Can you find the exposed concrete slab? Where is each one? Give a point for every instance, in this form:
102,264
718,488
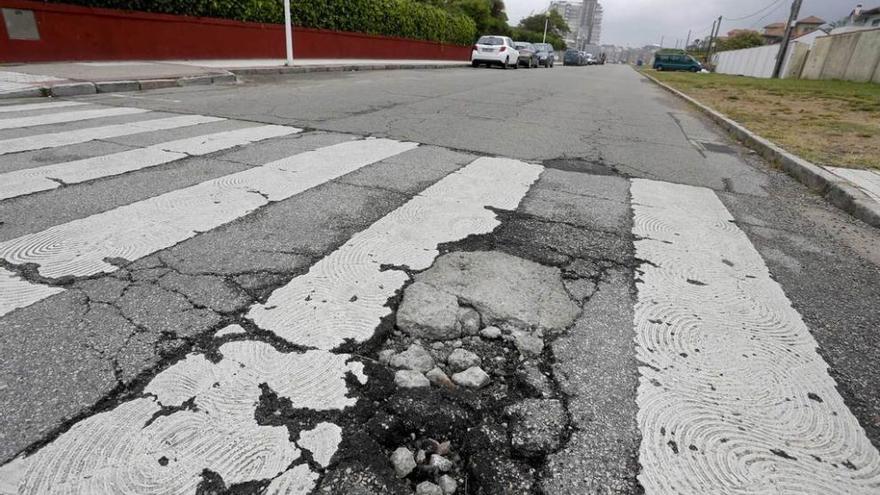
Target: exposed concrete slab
504,289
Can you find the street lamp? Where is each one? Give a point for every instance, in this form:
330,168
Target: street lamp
288,33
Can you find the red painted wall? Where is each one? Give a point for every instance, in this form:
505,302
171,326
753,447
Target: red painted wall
71,32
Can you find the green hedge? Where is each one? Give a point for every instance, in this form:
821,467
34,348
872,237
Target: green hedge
403,18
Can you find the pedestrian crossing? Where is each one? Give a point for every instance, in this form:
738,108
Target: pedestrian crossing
64,117
733,395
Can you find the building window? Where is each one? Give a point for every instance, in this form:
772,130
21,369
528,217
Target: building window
875,22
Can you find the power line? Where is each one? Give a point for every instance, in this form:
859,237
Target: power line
756,13
781,3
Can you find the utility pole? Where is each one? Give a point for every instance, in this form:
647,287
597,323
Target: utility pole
688,41
707,42
662,37
288,33
713,42
786,38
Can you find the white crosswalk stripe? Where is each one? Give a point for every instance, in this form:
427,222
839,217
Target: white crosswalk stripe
344,295
119,448
66,138
733,396
17,293
39,106
83,247
37,179
64,117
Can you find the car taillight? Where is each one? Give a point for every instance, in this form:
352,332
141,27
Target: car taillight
503,48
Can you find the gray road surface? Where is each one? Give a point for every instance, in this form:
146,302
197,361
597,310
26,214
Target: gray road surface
116,284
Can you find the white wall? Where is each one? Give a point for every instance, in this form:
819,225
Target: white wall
754,62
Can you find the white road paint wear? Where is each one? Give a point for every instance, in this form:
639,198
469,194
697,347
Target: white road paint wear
733,396
132,449
66,138
37,179
322,441
298,481
17,293
344,295
63,117
82,247
39,106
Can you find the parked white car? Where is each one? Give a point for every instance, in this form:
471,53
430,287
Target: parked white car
495,50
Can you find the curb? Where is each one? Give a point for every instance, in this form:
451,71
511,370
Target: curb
262,71
76,88
840,192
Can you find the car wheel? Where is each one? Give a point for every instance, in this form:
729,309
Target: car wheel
660,68
694,69
474,64
516,64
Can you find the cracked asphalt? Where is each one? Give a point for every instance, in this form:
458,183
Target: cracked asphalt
100,342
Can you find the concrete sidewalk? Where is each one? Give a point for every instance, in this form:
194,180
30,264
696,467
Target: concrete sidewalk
76,78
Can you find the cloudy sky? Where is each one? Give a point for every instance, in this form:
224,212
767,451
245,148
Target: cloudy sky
641,22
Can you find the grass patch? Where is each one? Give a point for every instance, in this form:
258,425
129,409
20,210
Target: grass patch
827,122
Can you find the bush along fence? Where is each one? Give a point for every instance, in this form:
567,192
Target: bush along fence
400,18
41,31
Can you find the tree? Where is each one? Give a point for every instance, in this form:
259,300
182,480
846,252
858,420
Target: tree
740,40
556,27
489,15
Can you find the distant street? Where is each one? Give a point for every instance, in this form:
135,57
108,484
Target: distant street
559,281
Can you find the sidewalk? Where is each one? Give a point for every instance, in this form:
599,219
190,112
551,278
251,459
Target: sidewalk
75,78
856,191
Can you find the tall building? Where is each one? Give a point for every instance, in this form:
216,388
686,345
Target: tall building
584,21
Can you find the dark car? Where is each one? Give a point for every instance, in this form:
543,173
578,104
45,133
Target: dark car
572,57
546,55
528,54
676,61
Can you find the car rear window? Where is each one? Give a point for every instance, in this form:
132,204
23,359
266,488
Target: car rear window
490,40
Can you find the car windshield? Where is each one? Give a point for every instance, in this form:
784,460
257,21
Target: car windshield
526,46
544,47
490,40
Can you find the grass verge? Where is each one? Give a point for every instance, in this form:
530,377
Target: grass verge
826,122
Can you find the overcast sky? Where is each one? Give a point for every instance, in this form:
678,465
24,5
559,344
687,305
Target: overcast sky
641,22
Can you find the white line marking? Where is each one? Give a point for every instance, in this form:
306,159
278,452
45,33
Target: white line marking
39,106
17,293
62,117
733,396
866,180
166,100
132,449
66,138
344,295
80,247
45,178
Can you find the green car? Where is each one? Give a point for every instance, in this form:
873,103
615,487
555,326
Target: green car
676,61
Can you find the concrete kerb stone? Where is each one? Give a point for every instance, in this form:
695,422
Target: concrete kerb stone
157,84
838,191
73,89
24,93
116,86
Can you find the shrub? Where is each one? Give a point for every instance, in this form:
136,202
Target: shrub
403,18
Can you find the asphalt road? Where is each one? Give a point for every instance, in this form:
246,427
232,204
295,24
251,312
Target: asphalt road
725,338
